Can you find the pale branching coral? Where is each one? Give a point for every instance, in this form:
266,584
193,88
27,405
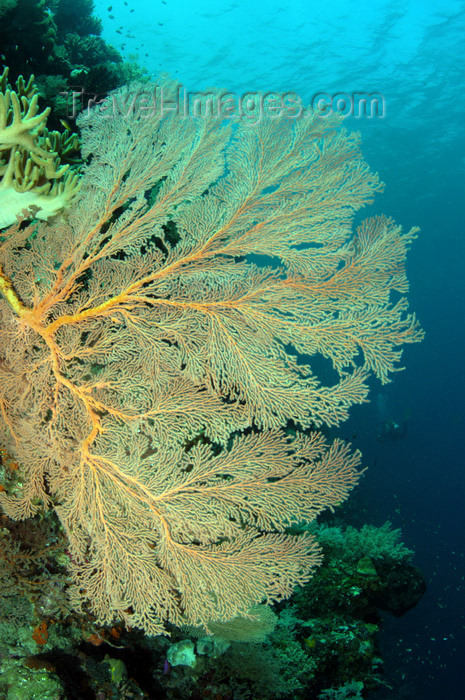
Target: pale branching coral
33,180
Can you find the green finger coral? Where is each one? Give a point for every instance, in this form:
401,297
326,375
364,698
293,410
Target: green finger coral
6,5
34,180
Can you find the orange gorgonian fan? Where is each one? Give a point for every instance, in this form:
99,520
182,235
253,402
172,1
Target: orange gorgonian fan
205,290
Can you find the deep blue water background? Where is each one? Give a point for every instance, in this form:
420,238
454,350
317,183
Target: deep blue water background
413,54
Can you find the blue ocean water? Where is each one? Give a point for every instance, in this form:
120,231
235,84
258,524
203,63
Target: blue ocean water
412,54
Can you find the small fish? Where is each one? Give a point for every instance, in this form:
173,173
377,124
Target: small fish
65,124
109,8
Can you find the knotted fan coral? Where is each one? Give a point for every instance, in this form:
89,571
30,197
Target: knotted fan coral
149,363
